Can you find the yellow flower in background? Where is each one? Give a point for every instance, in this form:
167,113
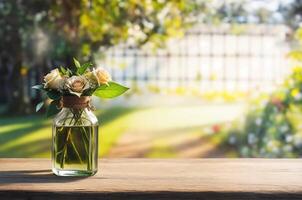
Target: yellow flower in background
213,77
296,94
297,69
297,73
295,55
298,35
23,71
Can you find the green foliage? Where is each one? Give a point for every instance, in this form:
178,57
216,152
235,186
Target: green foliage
53,108
76,63
81,70
94,24
110,91
63,71
54,95
38,87
39,106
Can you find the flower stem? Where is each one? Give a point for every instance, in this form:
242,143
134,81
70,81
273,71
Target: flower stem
76,151
65,149
86,148
75,122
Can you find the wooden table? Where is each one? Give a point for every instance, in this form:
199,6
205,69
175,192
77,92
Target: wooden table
156,179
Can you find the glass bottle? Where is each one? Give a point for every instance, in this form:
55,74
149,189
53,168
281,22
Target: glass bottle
75,138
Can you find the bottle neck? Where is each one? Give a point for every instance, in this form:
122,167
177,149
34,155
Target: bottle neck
76,103
76,110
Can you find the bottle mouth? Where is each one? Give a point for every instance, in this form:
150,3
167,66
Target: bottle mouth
75,102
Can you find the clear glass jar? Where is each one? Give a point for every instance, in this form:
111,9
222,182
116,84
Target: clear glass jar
75,139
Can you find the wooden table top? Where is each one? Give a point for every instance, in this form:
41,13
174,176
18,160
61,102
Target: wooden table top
156,179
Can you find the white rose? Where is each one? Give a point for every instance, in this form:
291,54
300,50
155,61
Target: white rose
101,75
77,84
53,80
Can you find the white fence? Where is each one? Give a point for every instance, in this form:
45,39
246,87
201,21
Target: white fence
208,58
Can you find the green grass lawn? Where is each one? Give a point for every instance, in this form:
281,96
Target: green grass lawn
166,130
175,131
30,136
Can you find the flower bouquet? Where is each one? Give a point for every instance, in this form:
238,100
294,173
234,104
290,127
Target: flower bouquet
75,127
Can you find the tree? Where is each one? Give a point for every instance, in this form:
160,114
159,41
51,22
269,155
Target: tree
292,13
17,19
272,128
79,28
85,26
232,12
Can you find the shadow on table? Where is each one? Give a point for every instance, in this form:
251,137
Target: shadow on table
164,195
34,176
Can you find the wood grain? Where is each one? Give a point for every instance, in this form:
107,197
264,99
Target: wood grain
156,179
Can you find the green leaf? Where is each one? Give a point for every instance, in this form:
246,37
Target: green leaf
38,87
39,106
63,70
110,91
83,68
69,72
54,95
76,63
88,92
53,108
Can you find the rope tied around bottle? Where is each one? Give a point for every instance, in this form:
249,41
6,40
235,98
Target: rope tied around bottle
75,102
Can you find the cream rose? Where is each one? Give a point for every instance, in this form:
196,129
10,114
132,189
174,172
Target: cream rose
101,75
53,80
76,85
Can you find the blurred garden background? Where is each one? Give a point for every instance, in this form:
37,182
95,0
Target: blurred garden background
207,78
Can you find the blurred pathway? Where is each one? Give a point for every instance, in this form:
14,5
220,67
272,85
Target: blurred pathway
176,132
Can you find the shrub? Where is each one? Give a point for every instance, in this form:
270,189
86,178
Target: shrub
273,124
